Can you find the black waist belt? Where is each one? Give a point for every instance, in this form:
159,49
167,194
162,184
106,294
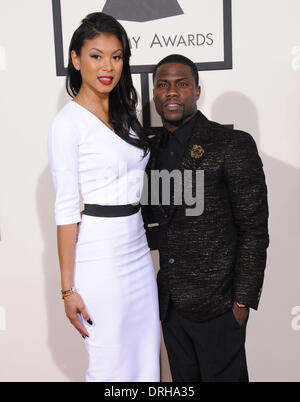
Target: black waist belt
110,211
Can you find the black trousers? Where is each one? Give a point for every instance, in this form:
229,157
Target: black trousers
210,351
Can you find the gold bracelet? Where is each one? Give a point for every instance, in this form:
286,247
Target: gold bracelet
68,292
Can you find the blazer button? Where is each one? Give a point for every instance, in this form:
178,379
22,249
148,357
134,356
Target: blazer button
171,260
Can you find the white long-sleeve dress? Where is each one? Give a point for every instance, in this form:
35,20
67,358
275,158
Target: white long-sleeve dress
113,269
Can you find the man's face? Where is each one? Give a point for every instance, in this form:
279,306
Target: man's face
175,94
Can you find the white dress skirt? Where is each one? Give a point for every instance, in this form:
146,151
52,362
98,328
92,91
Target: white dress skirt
113,270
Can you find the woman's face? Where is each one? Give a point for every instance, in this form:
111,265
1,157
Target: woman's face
100,63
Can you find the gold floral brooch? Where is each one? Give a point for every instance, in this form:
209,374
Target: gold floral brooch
197,152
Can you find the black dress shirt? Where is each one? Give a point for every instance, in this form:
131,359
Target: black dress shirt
174,144
171,151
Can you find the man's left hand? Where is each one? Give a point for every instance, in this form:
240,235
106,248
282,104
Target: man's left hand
240,313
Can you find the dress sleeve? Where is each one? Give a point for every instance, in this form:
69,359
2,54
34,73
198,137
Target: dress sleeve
63,154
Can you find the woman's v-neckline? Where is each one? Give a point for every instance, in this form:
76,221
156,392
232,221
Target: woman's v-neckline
90,113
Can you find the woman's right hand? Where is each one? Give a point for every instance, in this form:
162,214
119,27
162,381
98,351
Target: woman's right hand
73,306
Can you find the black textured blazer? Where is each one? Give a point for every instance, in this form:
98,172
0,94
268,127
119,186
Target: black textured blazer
209,261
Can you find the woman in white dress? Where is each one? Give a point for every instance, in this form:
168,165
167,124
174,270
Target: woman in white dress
97,149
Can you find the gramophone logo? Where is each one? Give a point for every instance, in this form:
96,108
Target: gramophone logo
142,10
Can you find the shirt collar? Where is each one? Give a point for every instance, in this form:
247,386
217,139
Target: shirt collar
183,133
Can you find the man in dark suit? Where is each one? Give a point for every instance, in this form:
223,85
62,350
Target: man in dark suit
212,263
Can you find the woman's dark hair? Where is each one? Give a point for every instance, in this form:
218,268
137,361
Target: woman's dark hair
178,58
123,98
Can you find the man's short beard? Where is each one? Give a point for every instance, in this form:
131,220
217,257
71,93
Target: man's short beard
174,122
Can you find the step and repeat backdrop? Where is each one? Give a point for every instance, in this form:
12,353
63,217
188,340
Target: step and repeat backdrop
248,56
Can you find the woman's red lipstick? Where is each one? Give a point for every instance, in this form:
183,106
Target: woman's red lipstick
106,80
